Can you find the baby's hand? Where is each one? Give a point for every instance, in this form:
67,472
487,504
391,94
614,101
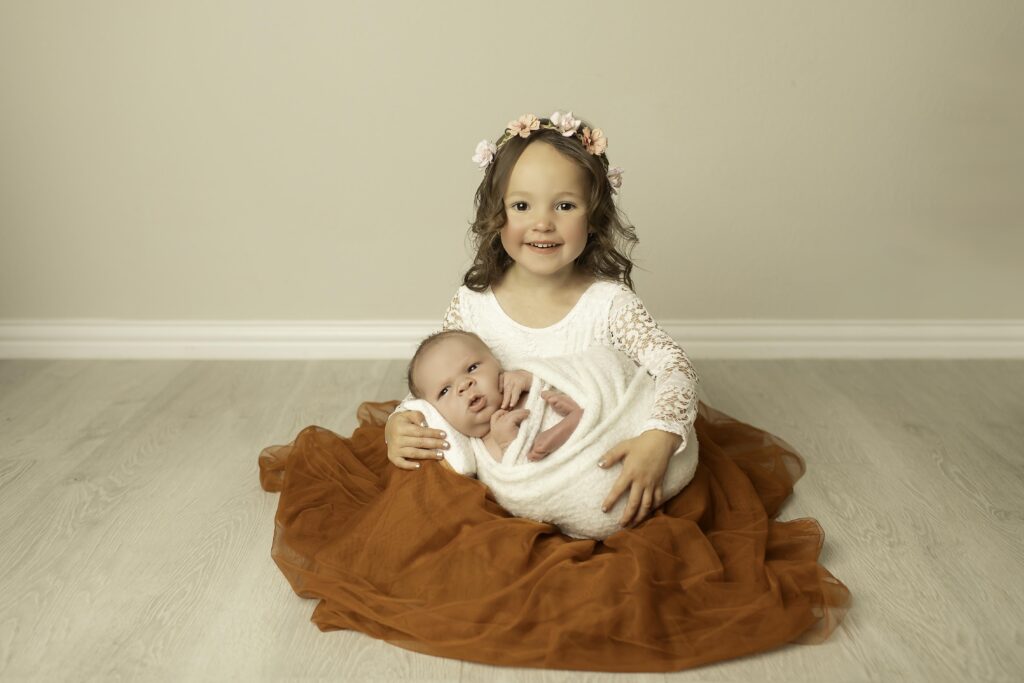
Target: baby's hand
505,425
512,384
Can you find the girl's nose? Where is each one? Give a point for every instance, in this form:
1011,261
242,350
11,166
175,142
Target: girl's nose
545,221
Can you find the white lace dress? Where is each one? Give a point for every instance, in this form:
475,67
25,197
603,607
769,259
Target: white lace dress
607,313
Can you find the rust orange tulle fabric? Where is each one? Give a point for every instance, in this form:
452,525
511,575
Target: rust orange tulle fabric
428,561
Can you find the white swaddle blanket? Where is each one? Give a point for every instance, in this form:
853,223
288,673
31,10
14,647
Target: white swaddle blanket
567,487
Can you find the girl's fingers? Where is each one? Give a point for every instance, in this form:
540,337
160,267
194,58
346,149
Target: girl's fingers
413,417
414,440
403,464
418,433
645,507
635,495
428,433
420,453
611,457
618,488
417,426
432,444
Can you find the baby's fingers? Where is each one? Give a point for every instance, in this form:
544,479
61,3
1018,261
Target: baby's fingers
517,416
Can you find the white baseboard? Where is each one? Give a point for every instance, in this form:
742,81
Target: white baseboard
739,339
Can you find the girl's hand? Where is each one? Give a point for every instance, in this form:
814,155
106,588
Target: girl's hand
646,459
512,384
409,439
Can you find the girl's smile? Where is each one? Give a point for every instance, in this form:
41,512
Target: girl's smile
543,247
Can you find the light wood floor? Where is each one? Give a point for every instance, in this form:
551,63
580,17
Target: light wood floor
135,537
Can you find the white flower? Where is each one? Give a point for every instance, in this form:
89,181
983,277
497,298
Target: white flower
485,151
615,178
565,123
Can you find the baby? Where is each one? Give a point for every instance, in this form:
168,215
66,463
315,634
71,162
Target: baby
506,419
456,373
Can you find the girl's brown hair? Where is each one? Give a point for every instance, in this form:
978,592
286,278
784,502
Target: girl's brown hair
606,254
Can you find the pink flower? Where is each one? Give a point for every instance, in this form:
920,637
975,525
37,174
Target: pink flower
615,178
523,125
485,152
565,123
594,140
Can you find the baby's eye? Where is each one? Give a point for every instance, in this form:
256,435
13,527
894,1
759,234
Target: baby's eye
474,365
441,393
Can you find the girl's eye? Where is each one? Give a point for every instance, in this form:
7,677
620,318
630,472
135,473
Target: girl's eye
515,204
569,204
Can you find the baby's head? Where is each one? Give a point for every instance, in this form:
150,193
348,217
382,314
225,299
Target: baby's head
525,197
456,373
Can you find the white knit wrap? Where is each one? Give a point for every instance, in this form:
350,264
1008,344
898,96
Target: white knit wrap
567,487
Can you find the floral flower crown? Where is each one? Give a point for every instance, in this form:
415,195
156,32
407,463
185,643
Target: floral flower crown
593,141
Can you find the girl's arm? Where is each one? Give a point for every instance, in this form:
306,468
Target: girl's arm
635,333
645,457
412,440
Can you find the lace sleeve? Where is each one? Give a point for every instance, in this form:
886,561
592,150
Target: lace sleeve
453,316
452,320
634,332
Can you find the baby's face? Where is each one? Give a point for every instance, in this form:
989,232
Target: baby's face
459,377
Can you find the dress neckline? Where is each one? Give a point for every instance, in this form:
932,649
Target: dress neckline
575,307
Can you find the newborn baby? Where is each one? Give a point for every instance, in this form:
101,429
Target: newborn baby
535,448
456,373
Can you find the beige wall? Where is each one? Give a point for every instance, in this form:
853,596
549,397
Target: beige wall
311,160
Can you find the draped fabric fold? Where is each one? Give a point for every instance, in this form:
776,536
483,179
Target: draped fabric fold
428,561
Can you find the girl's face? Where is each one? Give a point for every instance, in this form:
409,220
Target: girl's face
545,203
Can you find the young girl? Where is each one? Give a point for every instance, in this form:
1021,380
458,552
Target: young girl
550,278
429,561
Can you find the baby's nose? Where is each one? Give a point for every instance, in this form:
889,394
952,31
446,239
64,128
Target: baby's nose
466,384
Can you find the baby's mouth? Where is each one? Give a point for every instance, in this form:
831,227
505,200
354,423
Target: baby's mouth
477,404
